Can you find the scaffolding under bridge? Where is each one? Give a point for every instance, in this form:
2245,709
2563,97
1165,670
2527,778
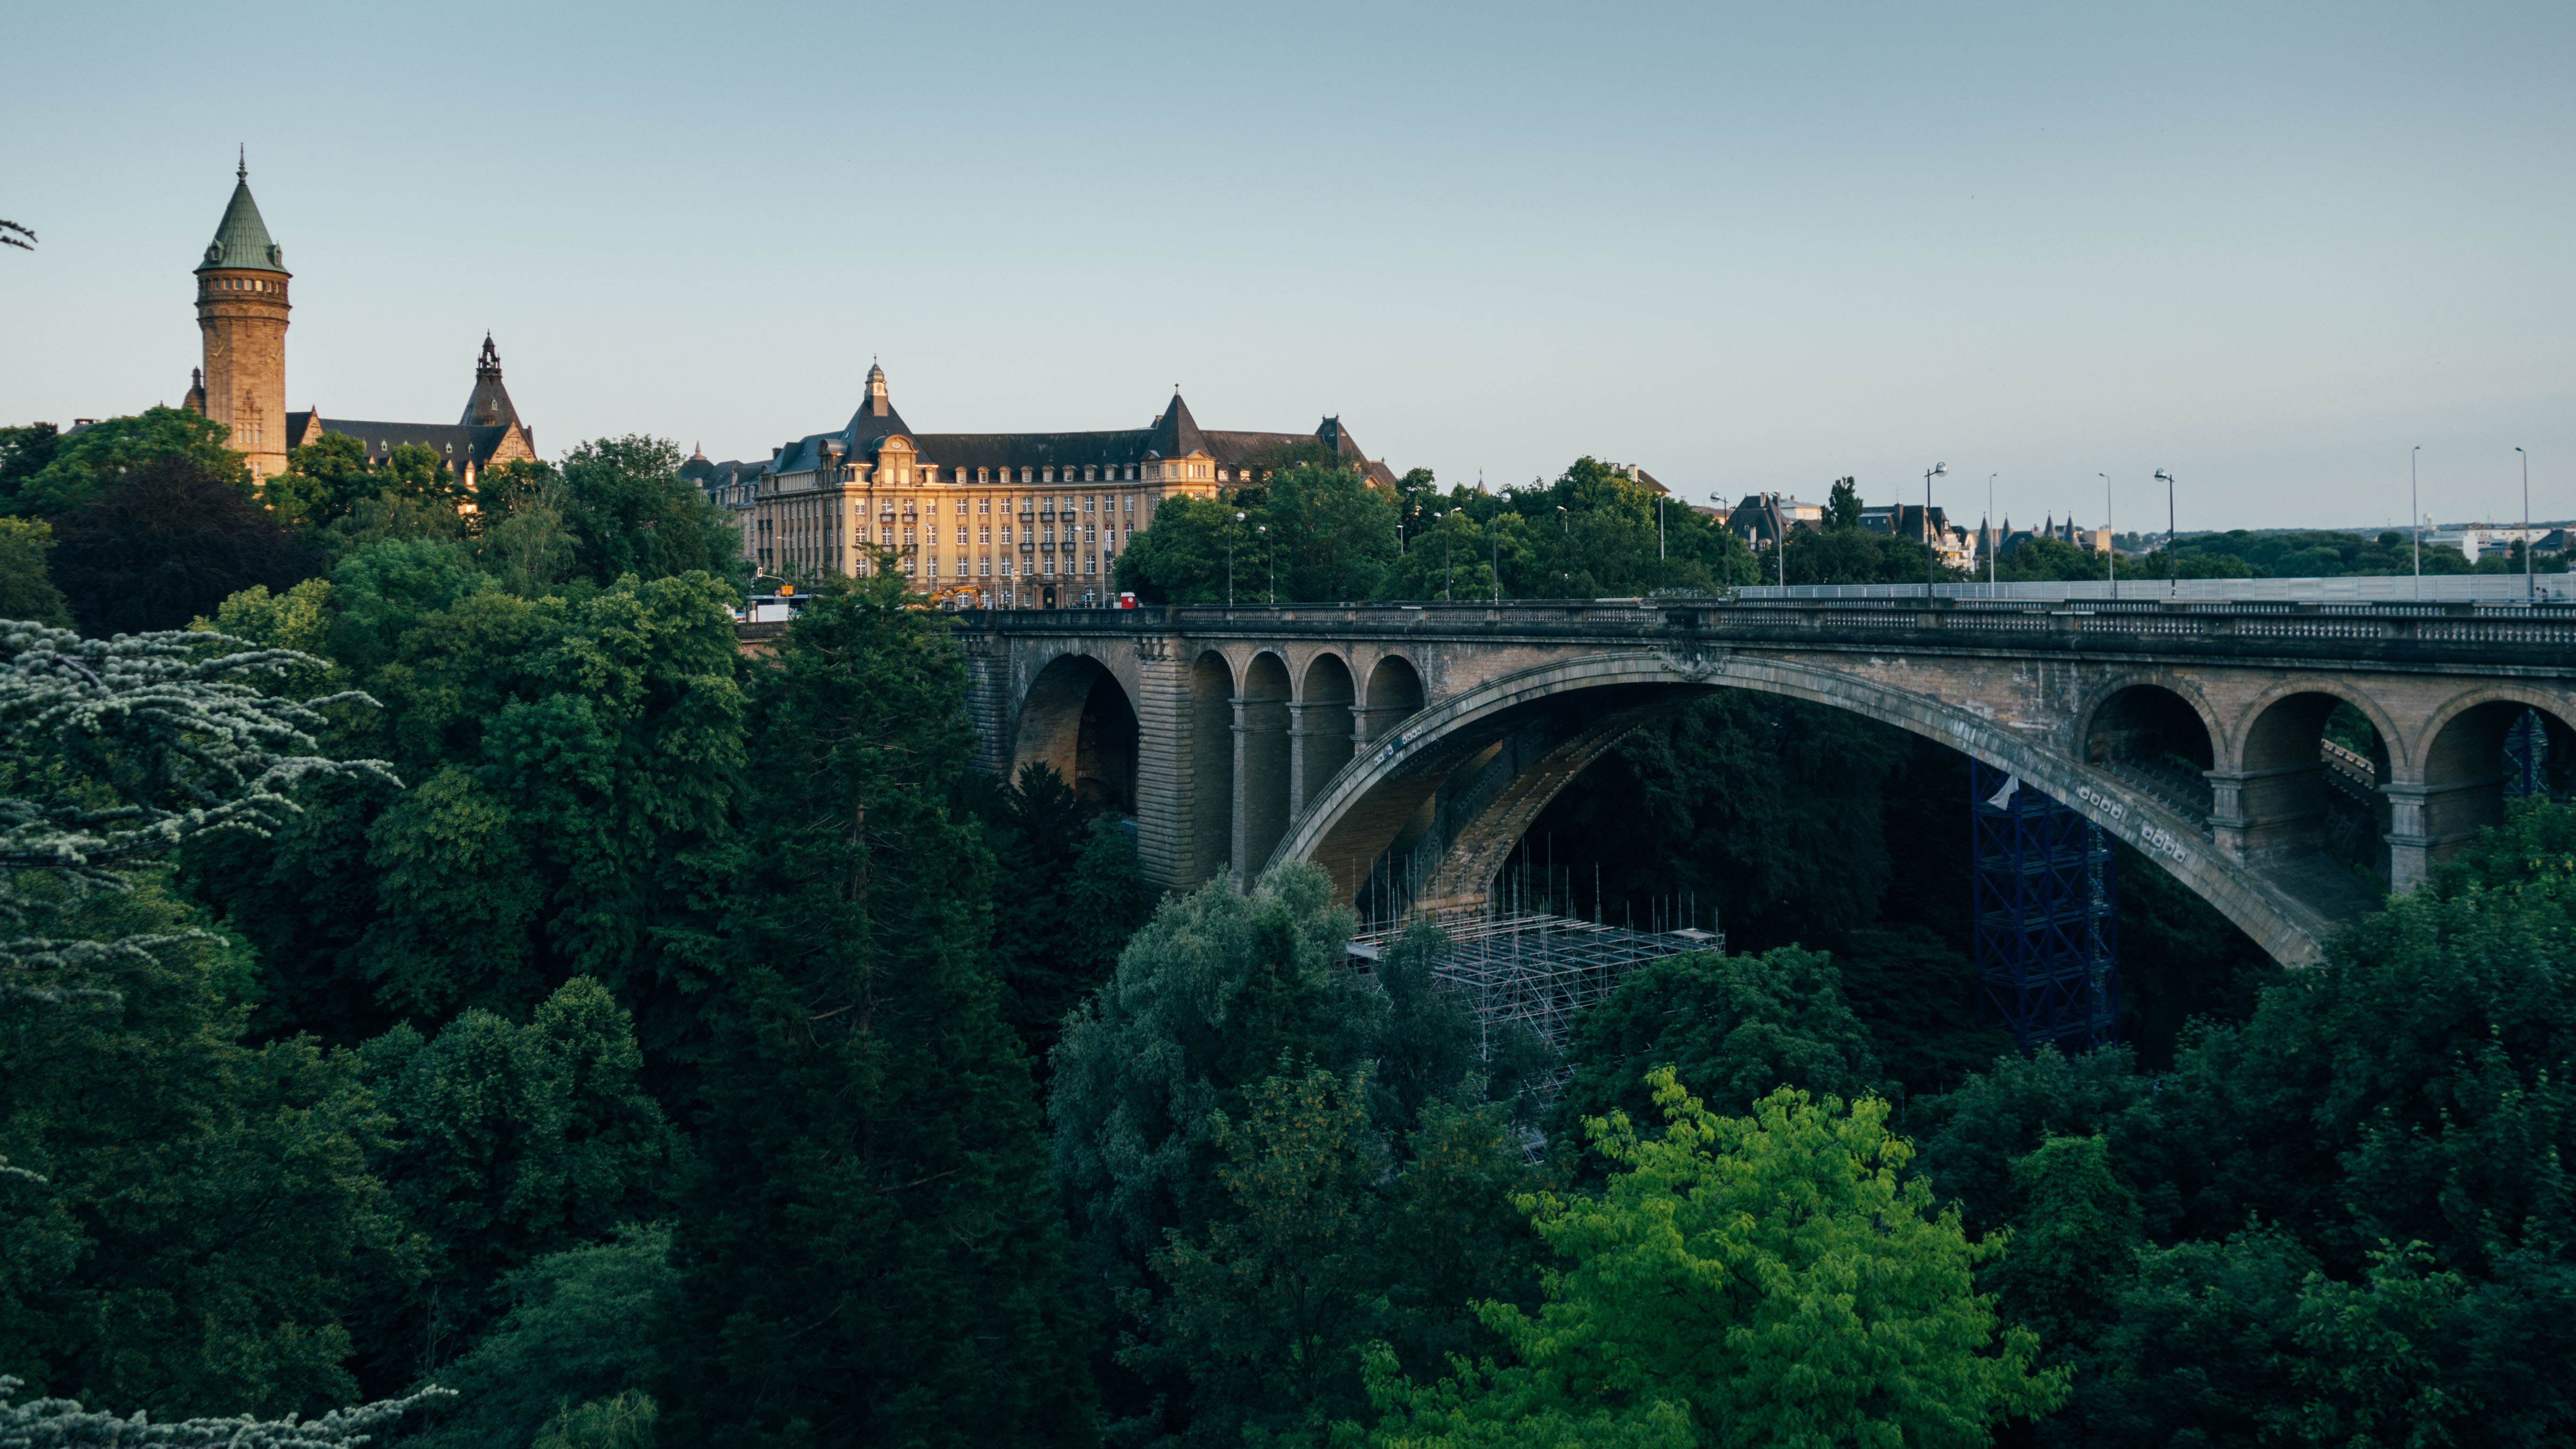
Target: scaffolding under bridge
1533,969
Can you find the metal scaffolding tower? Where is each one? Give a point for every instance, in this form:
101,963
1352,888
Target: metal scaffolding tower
1534,969
2047,916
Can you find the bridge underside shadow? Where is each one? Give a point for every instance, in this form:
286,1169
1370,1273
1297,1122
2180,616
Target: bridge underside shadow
1427,815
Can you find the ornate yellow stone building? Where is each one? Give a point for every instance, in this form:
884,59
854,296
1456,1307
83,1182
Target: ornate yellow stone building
242,311
1017,520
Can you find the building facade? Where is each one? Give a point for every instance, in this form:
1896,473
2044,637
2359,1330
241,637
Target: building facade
242,307
1002,520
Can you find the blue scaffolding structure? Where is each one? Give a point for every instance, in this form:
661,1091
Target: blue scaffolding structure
2047,916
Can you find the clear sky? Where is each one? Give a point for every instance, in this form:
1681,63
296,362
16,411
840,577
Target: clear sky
2268,247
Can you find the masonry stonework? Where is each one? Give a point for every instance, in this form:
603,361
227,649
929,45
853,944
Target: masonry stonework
2192,734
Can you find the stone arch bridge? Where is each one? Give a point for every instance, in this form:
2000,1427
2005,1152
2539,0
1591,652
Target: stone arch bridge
1418,742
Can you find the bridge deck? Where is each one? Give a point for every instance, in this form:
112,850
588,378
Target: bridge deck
2469,636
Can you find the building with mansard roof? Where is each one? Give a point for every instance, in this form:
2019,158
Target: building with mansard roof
1013,520
242,307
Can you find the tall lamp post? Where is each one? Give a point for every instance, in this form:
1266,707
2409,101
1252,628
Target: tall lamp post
1993,538
2110,550
1937,470
2173,572
1229,559
2415,523
1269,558
2529,588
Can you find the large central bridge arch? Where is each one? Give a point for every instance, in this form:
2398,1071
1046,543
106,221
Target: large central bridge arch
1457,783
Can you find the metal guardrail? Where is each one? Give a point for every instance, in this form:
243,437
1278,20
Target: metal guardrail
2351,589
2459,631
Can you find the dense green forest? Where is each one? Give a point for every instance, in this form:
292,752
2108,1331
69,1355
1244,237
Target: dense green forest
442,970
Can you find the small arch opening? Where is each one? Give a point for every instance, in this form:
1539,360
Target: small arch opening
1394,692
1324,724
1211,773
2488,754
2309,779
1261,744
2151,738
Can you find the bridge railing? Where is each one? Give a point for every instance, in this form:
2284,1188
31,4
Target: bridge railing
2483,631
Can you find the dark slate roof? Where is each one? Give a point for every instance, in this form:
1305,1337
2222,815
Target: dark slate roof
489,406
455,444
1172,434
1176,434
241,238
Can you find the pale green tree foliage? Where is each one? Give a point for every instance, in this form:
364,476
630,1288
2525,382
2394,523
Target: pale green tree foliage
1777,1277
64,1424
113,751
628,1421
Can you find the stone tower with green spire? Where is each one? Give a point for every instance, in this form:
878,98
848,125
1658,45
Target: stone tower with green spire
241,309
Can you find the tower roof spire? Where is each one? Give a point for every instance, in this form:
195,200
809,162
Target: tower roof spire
490,404
241,239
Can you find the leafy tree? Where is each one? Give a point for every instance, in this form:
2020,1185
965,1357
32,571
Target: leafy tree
1183,558
1209,997
1452,556
80,469
26,590
63,1422
1733,1028
165,542
1267,1302
1332,531
515,1141
1076,893
873,1255
2409,1087
520,534
628,511
113,752
1842,505
2074,1247
2204,1350
201,1215
192,1212
24,452
1973,1137
1777,1278
580,1329
576,766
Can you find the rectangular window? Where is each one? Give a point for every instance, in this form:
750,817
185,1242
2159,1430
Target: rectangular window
982,535
1131,503
1006,533
984,565
961,533
1088,502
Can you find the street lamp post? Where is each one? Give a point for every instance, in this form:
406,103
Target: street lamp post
1659,528
1448,557
1229,559
1937,470
2110,551
2529,587
1994,537
2173,569
2416,523
1270,559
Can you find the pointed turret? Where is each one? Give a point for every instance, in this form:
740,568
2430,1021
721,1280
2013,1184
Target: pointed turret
876,418
241,239
1176,434
489,407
